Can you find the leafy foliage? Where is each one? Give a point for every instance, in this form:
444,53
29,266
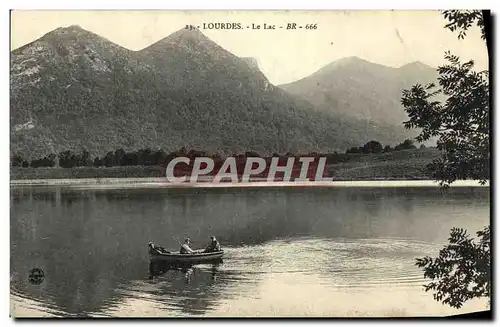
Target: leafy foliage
372,147
462,20
148,157
405,145
376,147
462,270
48,161
461,123
17,160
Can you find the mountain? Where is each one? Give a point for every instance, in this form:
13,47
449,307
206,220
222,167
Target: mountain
73,89
252,62
357,88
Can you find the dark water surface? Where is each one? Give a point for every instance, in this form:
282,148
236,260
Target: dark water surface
289,251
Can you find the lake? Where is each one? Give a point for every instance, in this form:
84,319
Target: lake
301,251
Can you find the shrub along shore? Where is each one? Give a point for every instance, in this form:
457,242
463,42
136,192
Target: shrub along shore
405,164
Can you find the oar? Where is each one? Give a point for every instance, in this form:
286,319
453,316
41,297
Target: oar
181,244
175,239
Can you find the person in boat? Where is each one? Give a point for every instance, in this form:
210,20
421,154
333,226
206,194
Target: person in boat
156,249
185,249
151,247
214,245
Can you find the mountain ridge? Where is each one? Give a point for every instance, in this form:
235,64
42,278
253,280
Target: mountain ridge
357,88
78,27
72,89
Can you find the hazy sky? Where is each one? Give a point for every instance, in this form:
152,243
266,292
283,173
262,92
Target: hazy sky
391,38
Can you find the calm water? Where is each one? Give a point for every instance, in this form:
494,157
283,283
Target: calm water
289,251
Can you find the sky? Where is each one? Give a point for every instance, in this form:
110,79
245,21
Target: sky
391,38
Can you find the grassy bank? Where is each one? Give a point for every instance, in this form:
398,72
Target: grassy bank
406,164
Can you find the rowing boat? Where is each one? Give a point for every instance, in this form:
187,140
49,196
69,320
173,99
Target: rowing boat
198,257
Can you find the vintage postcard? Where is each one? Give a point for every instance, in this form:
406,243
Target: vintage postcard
250,163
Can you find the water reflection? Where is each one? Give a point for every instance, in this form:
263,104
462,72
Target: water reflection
90,243
160,267
191,288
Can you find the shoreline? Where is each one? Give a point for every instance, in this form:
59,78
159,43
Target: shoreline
161,182
401,165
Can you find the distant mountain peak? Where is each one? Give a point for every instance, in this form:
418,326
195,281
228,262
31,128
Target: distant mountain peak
348,63
415,64
183,38
361,89
186,33
353,61
74,34
72,29
350,59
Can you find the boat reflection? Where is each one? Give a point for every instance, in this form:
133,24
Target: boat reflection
158,268
193,289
